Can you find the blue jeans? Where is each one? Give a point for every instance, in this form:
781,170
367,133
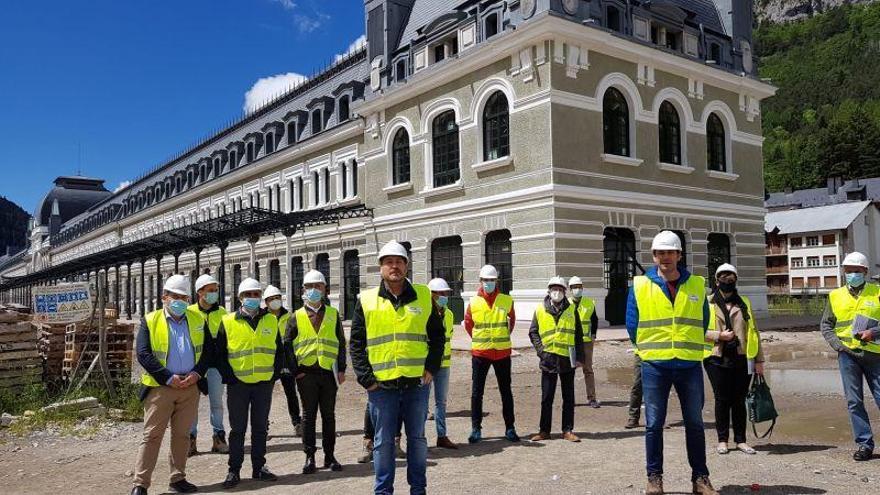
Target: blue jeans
440,385
215,397
854,372
657,381
385,406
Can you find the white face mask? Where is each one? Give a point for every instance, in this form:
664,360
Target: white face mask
577,292
275,305
557,295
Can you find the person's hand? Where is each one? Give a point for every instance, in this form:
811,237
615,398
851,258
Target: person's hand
427,378
373,387
726,336
191,379
866,336
759,368
300,376
340,377
176,382
578,364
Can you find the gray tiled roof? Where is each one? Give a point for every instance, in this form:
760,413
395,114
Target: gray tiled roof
705,11
818,219
819,196
423,12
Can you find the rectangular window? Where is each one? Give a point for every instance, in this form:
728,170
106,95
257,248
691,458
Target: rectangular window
439,53
797,283
830,282
813,240
270,142
829,240
797,262
796,241
812,261
813,282
829,261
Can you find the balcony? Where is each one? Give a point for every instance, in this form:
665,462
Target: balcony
776,250
778,290
777,270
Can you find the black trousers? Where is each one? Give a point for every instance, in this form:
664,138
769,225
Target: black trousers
289,384
318,391
370,431
730,386
245,400
548,393
479,371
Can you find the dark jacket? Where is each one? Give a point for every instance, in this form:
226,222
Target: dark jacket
550,362
221,355
203,382
357,345
293,332
151,364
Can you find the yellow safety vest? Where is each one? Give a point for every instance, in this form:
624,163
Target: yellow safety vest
157,324
846,307
397,340
251,352
668,331
585,308
557,336
319,346
214,317
753,340
448,323
491,330
282,324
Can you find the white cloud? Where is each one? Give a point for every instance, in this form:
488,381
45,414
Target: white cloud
353,47
287,4
122,185
306,24
270,87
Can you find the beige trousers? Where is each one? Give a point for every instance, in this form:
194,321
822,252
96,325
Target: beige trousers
164,405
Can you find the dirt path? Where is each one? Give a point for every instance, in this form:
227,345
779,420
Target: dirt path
809,453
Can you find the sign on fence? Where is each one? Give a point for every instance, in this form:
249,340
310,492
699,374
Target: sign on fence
65,303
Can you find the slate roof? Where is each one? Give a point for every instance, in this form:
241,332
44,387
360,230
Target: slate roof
819,196
423,12
821,218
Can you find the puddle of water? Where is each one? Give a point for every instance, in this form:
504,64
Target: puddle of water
800,382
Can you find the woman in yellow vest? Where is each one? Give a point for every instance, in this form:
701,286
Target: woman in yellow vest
735,342
250,358
558,337
849,325
272,300
440,292
315,349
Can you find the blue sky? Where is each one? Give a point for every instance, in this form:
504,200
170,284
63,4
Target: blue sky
114,87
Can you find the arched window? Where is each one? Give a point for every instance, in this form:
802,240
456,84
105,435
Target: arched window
445,153
615,119
233,159
716,144
317,123
491,25
719,253
499,254
275,273
322,264
496,127
682,263
291,133
343,109
270,142
296,278
250,152
447,262
400,158
670,134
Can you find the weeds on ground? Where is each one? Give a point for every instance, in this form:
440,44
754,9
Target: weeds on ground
812,305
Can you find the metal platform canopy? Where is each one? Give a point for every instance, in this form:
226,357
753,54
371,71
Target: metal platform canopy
241,225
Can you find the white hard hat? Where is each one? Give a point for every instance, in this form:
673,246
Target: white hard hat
204,280
248,285
557,280
666,241
314,277
439,285
177,284
271,291
488,272
856,259
574,281
393,248
726,267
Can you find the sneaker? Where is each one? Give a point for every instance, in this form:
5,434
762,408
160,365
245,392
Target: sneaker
632,422
309,466
655,485
332,464
863,454
232,480
571,437
703,486
476,436
193,447
541,436
595,404
182,486
399,452
745,448
367,452
264,475
511,435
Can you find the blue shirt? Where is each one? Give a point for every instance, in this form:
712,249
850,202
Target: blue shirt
181,354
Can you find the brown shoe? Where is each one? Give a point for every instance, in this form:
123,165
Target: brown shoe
367,454
571,437
703,486
193,449
219,446
446,443
655,485
543,435
632,422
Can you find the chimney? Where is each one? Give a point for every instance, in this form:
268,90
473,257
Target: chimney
834,183
738,17
55,219
386,20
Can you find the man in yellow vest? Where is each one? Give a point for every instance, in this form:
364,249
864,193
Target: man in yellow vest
489,320
173,348
586,309
208,305
440,292
667,316
272,300
558,337
396,348
315,349
250,357
849,325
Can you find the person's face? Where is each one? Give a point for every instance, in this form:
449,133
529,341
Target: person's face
206,289
726,278
393,268
250,294
167,297
667,260
855,269
273,298
318,286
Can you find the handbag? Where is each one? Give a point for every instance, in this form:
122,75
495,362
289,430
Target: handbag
759,404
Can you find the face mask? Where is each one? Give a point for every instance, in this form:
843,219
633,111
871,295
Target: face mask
251,303
856,279
556,295
489,287
727,287
442,301
212,297
177,307
275,305
312,295
577,293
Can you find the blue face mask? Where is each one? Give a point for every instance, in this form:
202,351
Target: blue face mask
251,303
177,307
212,297
312,295
442,301
856,279
489,287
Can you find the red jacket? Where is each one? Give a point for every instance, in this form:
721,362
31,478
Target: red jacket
490,354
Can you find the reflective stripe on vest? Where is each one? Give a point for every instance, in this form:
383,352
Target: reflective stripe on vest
282,324
753,340
846,307
251,352
556,336
214,317
320,347
585,308
668,331
397,339
449,325
157,325
491,328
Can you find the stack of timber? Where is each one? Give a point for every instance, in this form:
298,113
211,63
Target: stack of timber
20,361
